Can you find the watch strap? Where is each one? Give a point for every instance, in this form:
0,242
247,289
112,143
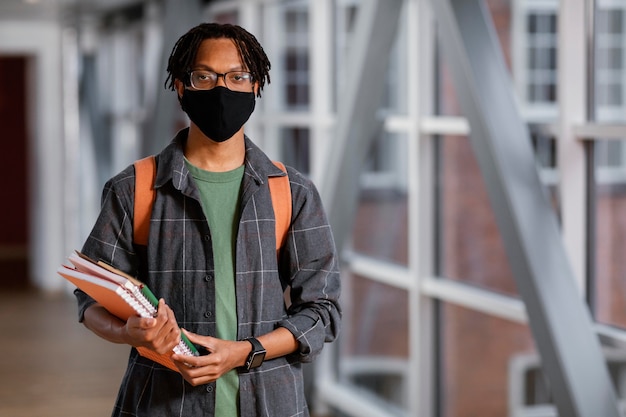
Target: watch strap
256,345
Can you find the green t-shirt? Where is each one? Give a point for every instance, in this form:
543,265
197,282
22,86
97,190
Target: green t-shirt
219,192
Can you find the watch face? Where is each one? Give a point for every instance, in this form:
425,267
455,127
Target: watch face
257,359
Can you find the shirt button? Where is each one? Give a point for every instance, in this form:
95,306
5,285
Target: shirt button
207,238
209,388
208,314
208,278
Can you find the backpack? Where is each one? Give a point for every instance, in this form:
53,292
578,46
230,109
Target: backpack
145,173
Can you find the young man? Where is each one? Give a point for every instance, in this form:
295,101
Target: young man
211,253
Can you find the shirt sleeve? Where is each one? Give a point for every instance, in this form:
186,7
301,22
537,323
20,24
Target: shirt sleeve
310,258
111,237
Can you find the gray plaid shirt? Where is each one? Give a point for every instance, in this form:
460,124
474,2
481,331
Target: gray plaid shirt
180,269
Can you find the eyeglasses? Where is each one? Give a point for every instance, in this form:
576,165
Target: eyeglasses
234,80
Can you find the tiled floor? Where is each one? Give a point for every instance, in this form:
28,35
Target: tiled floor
50,365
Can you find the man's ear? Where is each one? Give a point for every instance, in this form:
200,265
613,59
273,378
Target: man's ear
180,88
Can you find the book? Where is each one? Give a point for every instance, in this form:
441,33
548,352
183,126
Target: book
123,296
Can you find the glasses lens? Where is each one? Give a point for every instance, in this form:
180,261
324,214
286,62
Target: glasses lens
203,80
234,80
238,81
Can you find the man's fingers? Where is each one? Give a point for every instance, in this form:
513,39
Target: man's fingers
141,323
192,336
167,333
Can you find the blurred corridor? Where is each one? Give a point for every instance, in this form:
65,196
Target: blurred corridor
51,366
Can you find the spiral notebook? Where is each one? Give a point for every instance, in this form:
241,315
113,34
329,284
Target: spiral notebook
123,296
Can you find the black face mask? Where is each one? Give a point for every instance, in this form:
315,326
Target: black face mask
219,113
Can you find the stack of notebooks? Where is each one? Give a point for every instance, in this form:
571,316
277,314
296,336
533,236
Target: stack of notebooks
123,296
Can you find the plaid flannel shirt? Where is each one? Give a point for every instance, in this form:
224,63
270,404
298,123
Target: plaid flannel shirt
180,267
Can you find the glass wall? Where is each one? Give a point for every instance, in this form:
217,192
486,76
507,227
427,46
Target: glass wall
608,187
484,379
471,249
476,377
609,202
374,348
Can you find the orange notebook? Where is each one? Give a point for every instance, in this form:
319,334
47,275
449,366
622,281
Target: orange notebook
123,296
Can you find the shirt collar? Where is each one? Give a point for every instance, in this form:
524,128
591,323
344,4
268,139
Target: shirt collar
171,164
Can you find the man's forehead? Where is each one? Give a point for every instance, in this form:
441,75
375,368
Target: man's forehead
221,49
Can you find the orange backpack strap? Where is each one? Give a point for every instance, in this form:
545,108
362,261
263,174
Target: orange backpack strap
281,201
145,173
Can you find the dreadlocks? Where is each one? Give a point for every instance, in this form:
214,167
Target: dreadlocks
184,52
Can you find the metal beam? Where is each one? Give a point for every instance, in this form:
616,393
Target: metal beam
559,319
359,101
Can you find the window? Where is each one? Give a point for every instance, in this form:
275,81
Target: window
541,56
534,29
610,77
296,148
535,71
610,87
296,59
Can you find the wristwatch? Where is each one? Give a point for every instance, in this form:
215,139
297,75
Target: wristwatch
256,355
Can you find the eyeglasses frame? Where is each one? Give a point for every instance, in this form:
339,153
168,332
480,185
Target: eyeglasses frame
218,75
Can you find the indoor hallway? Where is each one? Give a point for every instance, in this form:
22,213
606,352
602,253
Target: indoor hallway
50,365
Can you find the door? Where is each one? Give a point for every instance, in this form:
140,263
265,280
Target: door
14,174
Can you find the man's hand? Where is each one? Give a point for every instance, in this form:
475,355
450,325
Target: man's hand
223,356
159,334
